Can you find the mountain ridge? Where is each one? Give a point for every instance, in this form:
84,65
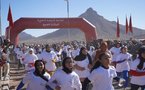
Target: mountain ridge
105,30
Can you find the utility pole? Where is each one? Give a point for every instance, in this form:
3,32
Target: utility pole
68,19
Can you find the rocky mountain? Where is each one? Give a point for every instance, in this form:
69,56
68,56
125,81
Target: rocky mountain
105,30
24,36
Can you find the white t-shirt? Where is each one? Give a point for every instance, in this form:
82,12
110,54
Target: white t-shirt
37,54
22,57
58,55
35,82
75,52
84,64
138,80
91,52
67,81
48,57
52,49
69,53
115,52
102,78
28,60
19,54
94,54
16,49
120,67
34,50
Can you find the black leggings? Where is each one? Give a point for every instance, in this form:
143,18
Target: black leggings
136,87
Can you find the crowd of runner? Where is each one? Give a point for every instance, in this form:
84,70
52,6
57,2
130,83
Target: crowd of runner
76,65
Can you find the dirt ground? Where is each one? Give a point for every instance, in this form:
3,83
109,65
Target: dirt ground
16,76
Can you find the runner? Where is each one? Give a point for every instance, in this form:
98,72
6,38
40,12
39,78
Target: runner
59,61
115,51
66,78
29,61
138,71
83,64
122,64
102,74
36,80
49,57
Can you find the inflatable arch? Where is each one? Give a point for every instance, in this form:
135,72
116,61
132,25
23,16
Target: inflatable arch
50,23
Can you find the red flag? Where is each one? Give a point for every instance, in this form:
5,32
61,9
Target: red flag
118,30
130,26
126,25
10,19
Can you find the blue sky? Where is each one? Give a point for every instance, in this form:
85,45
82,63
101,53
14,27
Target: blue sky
109,9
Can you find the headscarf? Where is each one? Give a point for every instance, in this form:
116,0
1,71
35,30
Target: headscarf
65,69
91,52
99,51
32,55
68,53
142,60
82,56
43,71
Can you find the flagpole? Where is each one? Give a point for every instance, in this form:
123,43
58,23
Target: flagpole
9,34
118,30
9,28
125,34
131,25
68,20
125,29
11,23
0,19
